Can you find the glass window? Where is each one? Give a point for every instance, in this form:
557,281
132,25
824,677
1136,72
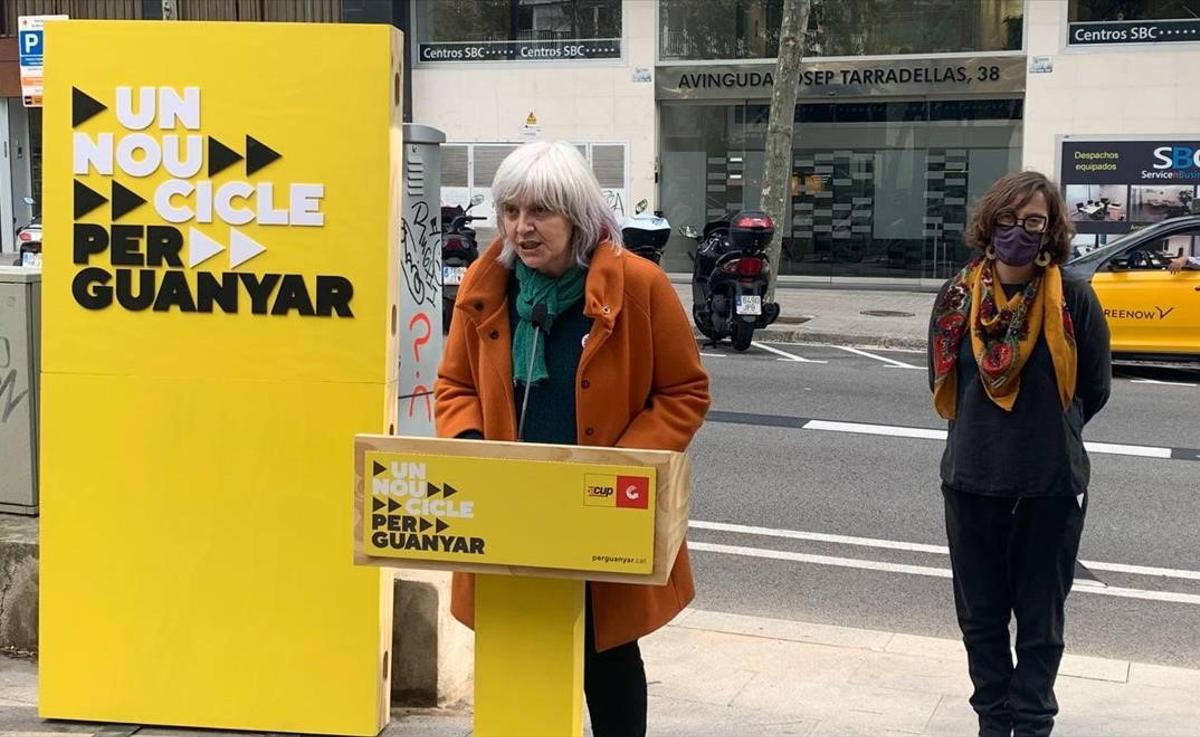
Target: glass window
1095,11
879,189
521,30
749,29
468,170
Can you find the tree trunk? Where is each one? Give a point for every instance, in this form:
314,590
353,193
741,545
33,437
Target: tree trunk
777,175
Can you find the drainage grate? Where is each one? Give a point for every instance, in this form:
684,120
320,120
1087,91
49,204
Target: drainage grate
887,313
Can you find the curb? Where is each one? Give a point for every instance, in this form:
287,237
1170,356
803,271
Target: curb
812,337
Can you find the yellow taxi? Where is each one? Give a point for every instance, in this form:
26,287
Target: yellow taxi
1149,284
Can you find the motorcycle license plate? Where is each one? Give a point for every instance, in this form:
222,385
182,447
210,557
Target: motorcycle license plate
453,275
30,259
747,305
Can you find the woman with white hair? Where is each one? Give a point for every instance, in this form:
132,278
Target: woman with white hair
563,337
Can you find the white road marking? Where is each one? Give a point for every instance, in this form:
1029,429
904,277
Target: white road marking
1161,383
892,430
867,542
1117,449
786,356
887,567
888,361
826,560
1142,451
712,355
832,345
871,542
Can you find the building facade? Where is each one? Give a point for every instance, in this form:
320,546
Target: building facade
907,109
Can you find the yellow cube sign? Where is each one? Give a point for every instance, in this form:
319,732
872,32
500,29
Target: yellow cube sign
511,512
219,320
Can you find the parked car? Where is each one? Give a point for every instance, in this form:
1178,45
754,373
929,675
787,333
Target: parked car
1152,313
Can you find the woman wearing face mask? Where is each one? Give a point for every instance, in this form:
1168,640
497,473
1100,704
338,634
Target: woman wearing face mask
588,344
1019,362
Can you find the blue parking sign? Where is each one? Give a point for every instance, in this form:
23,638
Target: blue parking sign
31,46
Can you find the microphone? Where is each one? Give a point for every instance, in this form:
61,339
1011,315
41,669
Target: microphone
538,318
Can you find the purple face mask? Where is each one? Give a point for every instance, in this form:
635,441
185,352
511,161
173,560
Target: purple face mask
1016,246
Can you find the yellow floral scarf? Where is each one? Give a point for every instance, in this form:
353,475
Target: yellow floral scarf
1003,333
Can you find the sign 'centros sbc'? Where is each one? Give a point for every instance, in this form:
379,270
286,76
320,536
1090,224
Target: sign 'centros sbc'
154,266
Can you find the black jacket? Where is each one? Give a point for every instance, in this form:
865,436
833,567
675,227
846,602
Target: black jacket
1037,448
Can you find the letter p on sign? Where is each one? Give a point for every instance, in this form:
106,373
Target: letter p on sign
31,43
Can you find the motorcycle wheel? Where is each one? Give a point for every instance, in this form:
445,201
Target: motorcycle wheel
701,323
743,335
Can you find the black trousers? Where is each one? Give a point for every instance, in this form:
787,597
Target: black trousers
1013,556
614,683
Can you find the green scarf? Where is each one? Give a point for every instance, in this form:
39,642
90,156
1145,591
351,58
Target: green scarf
558,295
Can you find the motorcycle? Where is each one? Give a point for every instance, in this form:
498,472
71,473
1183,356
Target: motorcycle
459,251
729,278
646,235
29,241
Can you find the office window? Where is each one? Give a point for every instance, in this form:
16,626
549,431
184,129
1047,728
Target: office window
1093,11
466,31
749,29
469,168
878,189
1117,22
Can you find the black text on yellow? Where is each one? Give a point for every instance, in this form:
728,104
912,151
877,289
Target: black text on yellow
137,282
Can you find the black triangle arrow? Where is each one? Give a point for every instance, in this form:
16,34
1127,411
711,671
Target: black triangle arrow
86,199
450,491
425,524
379,468
124,200
84,107
220,156
441,526
433,489
258,155
377,504
393,505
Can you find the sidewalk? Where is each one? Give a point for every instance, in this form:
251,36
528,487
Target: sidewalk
717,675
842,316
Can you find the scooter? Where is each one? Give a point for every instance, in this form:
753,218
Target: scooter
729,278
459,251
29,241
646,235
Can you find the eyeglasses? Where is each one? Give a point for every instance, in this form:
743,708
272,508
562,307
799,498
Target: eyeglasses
1031,224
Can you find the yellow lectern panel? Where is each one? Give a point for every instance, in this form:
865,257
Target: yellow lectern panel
219,322
544,511
577,516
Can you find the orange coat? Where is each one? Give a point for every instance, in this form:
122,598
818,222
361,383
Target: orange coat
640,385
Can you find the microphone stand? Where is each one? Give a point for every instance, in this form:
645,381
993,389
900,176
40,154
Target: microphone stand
538,318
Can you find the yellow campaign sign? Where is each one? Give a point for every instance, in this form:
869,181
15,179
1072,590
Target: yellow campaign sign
564,515
219,319
217,207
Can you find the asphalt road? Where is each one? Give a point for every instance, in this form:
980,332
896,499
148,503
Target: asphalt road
816,498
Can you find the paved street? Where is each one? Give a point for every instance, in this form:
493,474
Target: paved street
816,499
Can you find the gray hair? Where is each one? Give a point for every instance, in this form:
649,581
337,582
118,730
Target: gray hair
557,177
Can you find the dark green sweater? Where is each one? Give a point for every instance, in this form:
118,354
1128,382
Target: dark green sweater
551,414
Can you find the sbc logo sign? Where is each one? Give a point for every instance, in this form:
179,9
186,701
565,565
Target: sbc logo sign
1177,157
629,492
